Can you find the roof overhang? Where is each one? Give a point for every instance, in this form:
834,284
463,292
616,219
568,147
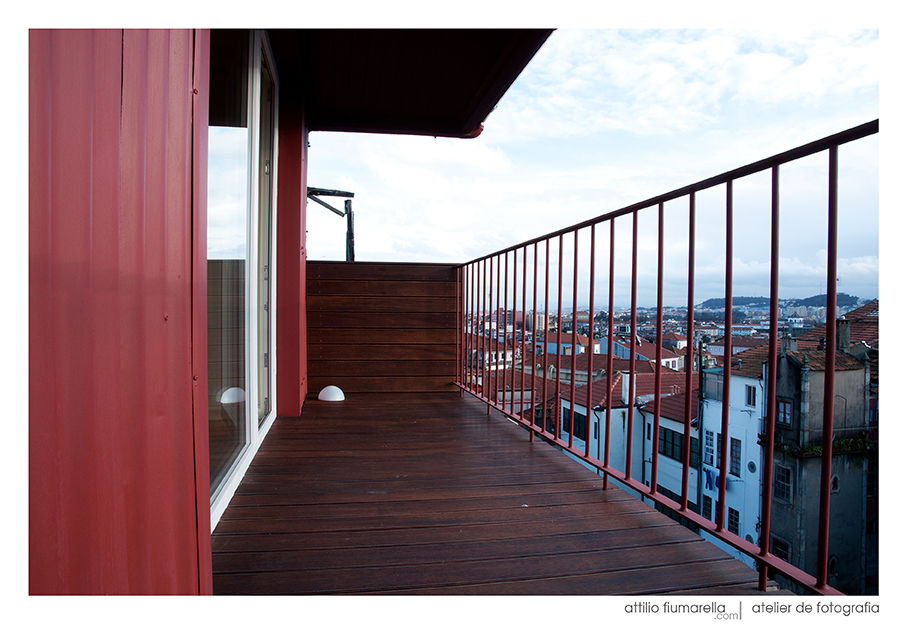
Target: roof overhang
426,82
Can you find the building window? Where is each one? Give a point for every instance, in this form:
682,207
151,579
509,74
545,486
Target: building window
785,412
648,431
751,395
780,548
595,430
783,478
833,566
735,457
834,483
706,507
579,424
733,521
670,444
709,458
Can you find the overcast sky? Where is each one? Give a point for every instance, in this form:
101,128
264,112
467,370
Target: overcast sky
604,118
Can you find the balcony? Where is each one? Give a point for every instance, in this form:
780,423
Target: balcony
428,493
433,477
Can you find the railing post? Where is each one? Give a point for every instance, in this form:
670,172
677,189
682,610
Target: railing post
545,343
591,337
560,329
523,341
497,329
573,336
659,329
535,333
688,406
459,341
828,406
631,386
721,452
513,341
607,452
504,343
771,385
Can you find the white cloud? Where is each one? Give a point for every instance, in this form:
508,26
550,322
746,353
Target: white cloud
604,119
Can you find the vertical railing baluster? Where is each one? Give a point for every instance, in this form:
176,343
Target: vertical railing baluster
486,293
504,349
497,331
560,329
545,343
721,452
659,328
573,335
631,386
535,332
688,407
591,337
513,341
474,356
607,451
771,385
523,341
460,327
828,407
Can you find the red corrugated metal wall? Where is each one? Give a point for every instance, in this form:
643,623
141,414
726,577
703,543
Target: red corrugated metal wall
115,453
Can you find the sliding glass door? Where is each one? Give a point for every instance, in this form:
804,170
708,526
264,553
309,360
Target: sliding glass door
241,199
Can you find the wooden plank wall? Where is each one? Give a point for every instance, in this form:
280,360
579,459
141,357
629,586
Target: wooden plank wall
381,327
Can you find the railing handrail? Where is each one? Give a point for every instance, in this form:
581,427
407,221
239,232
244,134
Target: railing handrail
726,529
807,149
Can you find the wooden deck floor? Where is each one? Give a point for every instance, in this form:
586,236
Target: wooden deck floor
426,494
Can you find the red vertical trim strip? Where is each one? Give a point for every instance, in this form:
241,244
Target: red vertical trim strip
523,342
828,407
771,384
199,289
659,329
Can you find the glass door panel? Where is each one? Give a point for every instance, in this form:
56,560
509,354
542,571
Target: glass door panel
228,252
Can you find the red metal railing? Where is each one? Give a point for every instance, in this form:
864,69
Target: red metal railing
486,377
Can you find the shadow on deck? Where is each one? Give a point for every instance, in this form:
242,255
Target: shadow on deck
426,494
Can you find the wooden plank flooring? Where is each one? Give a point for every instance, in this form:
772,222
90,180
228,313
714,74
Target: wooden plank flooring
426,494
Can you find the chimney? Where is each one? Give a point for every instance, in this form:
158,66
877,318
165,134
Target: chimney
842,333
788,344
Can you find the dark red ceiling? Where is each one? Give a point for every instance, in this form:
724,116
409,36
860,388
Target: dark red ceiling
430,82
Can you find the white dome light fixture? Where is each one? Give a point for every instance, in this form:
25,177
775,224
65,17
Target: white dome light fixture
331,393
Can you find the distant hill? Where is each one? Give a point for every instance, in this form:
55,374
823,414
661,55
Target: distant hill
844,300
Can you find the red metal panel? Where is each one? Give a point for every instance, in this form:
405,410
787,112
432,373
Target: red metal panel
291,257
112,456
